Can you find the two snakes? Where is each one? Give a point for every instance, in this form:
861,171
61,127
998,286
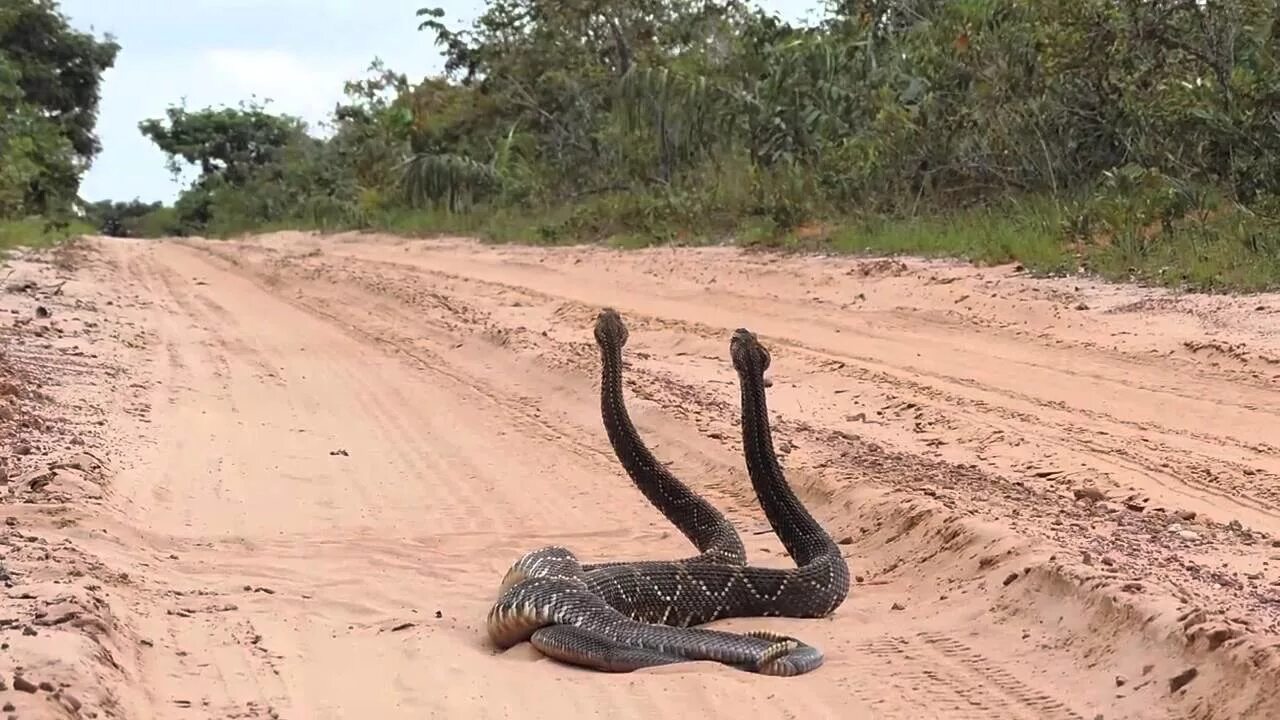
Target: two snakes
621,616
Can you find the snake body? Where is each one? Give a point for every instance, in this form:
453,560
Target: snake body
545,600
704,588
706,527
620,616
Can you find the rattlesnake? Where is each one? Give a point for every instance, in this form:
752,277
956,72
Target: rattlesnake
602,618
822,577
706,527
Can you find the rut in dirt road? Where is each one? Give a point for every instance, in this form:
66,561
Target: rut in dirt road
348,441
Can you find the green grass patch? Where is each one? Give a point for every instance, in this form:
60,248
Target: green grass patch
39,232
1233,250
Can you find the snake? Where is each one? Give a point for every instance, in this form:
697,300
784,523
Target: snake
624,616
716,538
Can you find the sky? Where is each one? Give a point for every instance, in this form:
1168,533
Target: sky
295,53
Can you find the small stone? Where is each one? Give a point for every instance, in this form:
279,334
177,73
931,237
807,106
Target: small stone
439,614
42,312
71,701
1146,669
1121,681
898,606
1089,493
1179,681
1081,306
1108,561
846,540
22,684
22,449
1189,535
11,521
1186,515
8,707
1010,578
1086,557
46,686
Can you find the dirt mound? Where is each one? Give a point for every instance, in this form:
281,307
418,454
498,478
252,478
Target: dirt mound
67,651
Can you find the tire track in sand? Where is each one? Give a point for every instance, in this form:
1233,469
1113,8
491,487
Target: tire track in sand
988,686
378,566
420,456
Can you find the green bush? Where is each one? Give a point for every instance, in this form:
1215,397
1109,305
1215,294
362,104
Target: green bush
1131,139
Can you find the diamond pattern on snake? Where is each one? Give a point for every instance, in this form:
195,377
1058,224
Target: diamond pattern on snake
622,616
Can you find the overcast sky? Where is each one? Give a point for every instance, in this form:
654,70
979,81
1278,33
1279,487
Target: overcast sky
297,53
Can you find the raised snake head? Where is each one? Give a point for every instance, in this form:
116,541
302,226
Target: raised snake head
611,332
749,356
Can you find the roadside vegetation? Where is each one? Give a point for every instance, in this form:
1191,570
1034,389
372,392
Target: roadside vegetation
49,82
1133,140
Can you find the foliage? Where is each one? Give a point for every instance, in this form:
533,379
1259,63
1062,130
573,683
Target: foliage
50,76
226,144
36,231
1130,139
133,219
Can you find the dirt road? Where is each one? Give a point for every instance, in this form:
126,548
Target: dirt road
301,465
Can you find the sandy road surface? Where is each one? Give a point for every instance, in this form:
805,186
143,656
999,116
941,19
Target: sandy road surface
300,465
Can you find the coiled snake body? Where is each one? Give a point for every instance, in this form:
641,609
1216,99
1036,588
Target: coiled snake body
620,616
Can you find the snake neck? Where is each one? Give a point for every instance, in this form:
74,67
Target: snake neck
693,516
802,536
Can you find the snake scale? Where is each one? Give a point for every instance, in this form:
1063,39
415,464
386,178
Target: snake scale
706,527
622,616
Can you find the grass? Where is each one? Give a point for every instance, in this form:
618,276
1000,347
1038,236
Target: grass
36,232
1233,251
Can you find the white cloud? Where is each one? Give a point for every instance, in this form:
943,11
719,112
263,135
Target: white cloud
293,83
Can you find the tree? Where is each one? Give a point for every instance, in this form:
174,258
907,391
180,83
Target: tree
228,144
50,82
552,70
669,117
119,219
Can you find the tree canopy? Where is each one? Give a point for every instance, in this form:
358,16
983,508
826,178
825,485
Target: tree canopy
50,83
1140,133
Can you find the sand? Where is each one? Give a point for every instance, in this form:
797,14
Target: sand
281,477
